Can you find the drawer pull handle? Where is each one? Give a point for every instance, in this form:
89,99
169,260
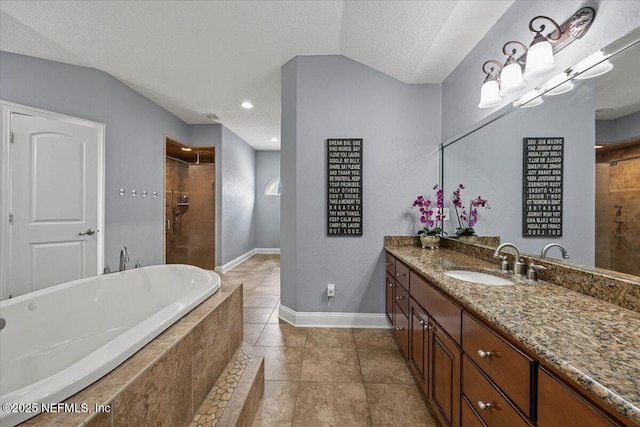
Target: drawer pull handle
391,285
421,322
399,329
387,264
484,354
484,406
401,274
428,327
399,297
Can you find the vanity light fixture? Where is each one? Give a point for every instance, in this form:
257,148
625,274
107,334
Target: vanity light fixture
558,85
528,100
592,66
511,80
247,105
490,92
537,59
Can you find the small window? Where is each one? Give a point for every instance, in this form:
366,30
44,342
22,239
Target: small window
273,188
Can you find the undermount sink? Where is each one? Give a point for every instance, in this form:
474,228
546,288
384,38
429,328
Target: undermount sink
477,277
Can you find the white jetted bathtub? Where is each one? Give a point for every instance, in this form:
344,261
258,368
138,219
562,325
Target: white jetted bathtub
59,340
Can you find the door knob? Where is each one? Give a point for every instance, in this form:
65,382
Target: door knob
89,232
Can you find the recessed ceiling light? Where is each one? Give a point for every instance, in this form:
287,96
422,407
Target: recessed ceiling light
274,139
246,104
186,148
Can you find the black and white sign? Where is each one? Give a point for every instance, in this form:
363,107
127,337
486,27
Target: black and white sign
542,187
344,187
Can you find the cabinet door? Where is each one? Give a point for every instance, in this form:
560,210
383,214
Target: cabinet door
389,285
401,330
419,345
559,406
444,373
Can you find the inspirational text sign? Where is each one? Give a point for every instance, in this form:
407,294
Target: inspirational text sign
542,187
344,187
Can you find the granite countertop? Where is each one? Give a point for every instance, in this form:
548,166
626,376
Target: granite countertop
595,343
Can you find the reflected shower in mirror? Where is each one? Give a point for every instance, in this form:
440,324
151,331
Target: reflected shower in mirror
600,187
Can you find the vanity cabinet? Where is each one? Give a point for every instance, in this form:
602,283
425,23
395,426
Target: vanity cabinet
559,406
470,373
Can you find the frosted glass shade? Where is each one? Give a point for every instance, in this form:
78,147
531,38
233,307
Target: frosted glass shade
596,70
511,80
563,88
539,60
489,94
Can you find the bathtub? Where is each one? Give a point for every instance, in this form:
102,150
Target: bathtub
59,340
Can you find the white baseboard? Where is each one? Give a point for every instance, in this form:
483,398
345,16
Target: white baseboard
242,258
268,251
235,262
333,320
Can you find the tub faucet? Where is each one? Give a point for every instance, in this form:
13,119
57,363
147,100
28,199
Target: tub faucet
565,254
124,258
519,267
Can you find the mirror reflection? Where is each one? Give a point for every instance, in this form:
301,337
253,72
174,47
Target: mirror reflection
600,186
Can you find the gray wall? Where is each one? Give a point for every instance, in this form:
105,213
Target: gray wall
135,129
335,97
461,90
238,175
618,130
267,207
489,163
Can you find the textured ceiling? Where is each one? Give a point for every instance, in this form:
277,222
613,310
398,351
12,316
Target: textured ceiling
195,57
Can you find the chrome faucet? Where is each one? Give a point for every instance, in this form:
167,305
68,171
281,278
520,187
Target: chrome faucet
565,254
124,258
519,267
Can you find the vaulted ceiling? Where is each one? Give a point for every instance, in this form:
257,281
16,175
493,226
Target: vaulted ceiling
197,57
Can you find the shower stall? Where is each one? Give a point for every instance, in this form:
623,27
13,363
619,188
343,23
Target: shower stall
190,205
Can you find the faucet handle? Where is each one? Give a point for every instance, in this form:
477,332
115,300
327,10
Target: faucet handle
504,265
532,272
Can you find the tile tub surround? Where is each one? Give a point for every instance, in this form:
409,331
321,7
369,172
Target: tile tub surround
168,378
591,342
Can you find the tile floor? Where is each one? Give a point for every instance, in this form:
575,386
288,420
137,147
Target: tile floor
323,377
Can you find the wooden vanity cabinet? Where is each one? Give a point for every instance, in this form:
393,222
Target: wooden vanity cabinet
444,377
390,297
419,344
559,406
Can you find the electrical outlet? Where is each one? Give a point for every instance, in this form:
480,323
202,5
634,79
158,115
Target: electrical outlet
331,290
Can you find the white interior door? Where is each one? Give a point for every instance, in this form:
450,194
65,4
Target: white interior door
55,206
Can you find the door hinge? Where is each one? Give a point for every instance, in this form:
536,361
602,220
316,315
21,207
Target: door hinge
10,218
11,137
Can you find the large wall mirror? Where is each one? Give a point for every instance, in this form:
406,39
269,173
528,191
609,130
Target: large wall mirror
600,186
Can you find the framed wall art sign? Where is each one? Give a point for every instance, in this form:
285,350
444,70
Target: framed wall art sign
344,187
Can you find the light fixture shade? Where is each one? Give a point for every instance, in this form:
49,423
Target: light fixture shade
511,80
560,89
533,103
595,71
489,94
539,59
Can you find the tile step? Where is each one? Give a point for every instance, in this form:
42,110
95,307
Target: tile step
234,398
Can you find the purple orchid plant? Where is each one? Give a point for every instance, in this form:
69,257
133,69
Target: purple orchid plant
431,214
467,219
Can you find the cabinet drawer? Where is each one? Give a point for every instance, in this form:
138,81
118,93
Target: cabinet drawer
507,367
402,299
497,411
402,275
390,263
469,416
560,406
440,308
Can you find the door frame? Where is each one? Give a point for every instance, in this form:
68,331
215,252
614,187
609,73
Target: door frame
5,187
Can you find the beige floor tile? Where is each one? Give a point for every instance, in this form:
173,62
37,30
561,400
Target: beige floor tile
331,404
274,316
268,301
282,335
252,332
397,405
338,364
366,338
257,314
277,404
330,337
281,363
267,290
384,365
